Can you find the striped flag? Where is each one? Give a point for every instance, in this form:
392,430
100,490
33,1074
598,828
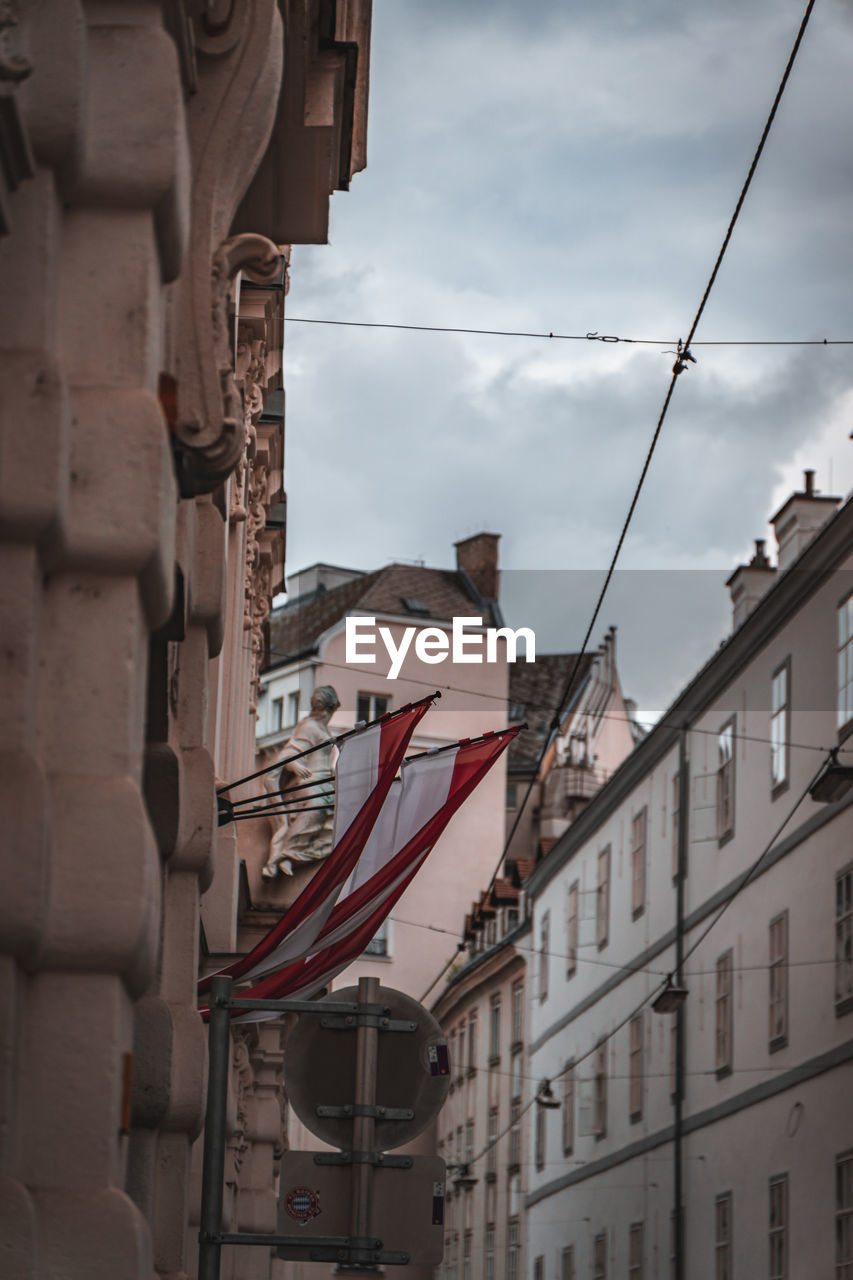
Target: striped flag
364,773
431,789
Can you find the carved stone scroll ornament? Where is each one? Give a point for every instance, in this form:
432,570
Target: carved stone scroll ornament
210,430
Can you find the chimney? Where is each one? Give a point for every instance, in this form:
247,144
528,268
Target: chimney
478,557
748,584
799,519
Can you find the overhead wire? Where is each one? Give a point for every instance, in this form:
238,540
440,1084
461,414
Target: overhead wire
590,336
678,368
681,364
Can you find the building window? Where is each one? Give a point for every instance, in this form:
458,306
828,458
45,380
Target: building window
544,947
490,1251
567,1263
778,1228
277,714
568,1108
779,981
466,1255
370,706
599,1257
512,1251
517,1013
724,1015
469,1141
599,1094
492,1152
572,931
293,707
845,662
638,864
780,702
515,1133
539,1268
511,795
541,1134
463,1062
844,1216
472,1042
380,943
495,1030
635,1251
602,898
676,808
723,1237
726,781
844,941
635,1070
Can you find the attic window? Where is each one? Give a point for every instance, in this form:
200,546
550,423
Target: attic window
412,605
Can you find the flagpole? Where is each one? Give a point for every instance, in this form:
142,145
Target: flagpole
342,737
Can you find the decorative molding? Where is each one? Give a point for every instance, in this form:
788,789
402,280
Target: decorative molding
209,437
239,60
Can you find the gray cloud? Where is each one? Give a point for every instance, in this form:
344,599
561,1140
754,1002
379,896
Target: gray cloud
570,167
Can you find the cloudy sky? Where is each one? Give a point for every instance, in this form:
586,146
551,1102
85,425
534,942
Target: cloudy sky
547,166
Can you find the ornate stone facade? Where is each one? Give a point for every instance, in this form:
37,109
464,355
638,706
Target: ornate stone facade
141,539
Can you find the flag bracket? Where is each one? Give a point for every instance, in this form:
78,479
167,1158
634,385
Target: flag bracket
380,1158
378,1112
382,1022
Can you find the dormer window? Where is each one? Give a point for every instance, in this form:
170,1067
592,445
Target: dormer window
415,606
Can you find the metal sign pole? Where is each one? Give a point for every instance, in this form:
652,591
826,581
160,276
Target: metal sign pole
213,1166
364,1122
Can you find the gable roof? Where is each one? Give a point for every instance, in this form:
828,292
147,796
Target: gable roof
537,687
440,594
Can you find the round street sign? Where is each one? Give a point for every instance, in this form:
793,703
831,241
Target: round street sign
412,1074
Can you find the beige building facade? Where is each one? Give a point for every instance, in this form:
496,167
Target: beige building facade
709,840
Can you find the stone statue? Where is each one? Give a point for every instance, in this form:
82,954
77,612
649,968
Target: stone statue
305,835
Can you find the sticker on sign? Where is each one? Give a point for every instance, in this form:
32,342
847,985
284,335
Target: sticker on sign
303,1204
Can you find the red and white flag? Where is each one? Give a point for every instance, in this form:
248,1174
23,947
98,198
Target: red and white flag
418,808
365,769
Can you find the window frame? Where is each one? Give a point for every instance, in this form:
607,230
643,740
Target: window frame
495,1030
843,930
777,973
599,1256
639,822
602,898
636,1266
572,928
567,1263
784,709
372,700
726,781
599,1092
777,1233
544,955
517,1014
845,726
636,1032
723,1243
724,1015
843,1211
569,1107
676,809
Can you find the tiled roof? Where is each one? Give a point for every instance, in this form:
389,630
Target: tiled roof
535,688
297,627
